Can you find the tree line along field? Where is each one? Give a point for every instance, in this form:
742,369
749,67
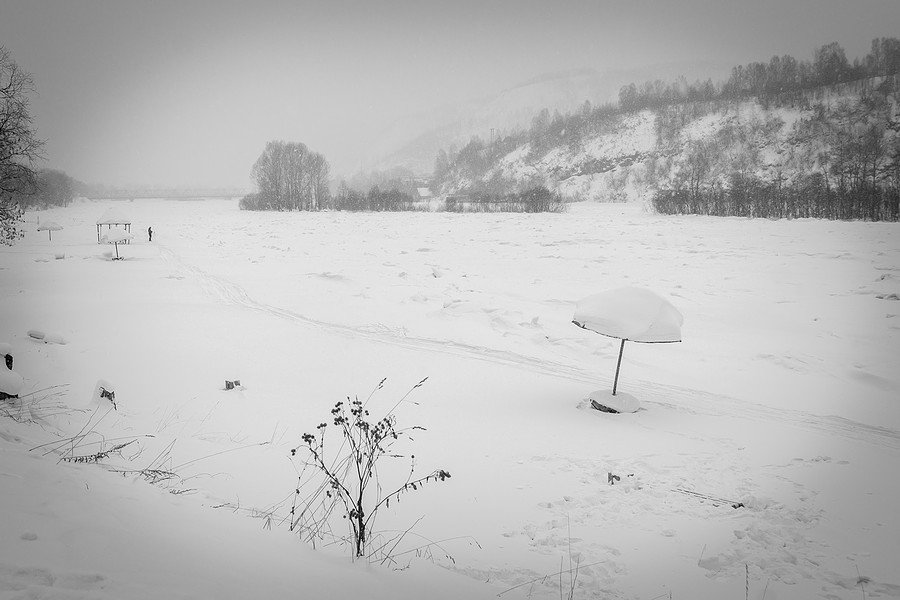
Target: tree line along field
844,163
755,198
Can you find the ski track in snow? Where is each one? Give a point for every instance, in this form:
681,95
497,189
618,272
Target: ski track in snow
773,536
670,397
591,521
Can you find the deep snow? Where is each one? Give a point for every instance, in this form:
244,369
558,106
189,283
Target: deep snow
782,396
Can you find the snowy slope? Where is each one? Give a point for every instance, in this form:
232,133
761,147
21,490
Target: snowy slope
651,149
781,397
414,142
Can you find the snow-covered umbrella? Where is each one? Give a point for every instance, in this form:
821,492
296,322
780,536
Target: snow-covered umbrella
49,227
116,237
630,314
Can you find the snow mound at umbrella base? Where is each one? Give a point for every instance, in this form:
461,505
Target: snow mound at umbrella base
620,403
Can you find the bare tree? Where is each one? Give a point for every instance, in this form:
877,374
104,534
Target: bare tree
289,176
696,169
830,64
19,146
318,174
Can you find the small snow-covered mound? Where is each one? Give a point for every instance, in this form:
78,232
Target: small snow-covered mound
620,403
11,383
630,313
47,338
104,392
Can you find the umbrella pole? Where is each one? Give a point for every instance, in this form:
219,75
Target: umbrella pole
618,365
117,256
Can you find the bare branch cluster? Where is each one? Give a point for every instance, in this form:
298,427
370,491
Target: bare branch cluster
288,176
347,479
19,146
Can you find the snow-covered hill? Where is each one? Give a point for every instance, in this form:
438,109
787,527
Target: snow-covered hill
414,141
630,155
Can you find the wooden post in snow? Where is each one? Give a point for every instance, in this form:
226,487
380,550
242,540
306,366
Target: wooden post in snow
618,365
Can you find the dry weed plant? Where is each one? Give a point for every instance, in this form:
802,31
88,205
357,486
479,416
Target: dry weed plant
344,480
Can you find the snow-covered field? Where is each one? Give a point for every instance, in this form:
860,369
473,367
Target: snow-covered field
782,397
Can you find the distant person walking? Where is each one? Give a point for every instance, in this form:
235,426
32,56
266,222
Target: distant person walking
150,233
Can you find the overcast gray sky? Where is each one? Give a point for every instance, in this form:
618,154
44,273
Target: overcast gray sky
187,92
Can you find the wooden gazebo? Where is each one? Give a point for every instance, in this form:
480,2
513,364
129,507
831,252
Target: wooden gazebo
113,217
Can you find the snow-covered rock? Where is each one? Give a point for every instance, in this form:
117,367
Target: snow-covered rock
47,338
11,383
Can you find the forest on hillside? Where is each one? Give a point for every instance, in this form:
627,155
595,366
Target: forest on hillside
854,172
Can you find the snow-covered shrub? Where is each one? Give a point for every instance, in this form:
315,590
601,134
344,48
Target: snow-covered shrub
531,200
251,202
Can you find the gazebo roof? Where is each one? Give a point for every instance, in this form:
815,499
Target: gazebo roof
113,217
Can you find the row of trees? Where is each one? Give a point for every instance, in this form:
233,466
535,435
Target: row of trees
829,66
389,199
779,80
537,199
376,199
395,178
811,197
